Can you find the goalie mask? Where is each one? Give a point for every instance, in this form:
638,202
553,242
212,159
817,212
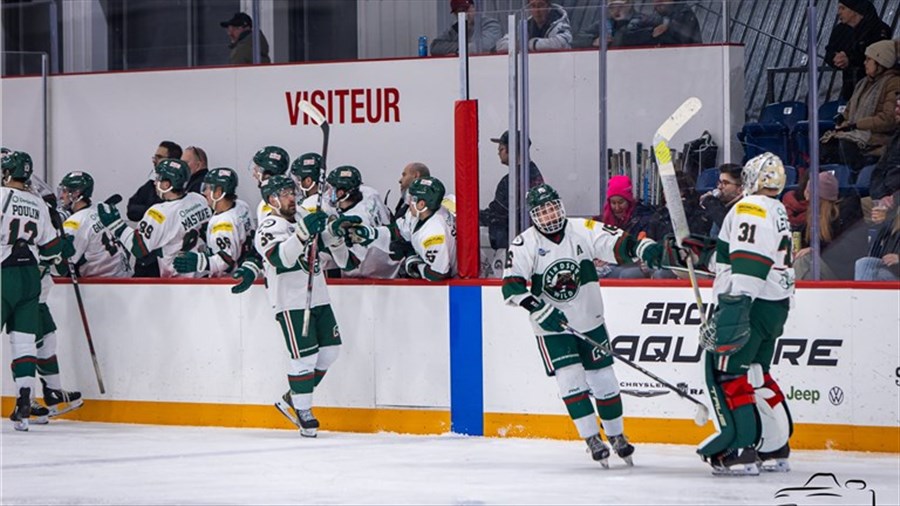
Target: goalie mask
427,189
270,161
546,209
17,165
223,178
763,171
307,166
176,172
75,186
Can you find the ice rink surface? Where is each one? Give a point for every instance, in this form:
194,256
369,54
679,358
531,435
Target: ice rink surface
71,462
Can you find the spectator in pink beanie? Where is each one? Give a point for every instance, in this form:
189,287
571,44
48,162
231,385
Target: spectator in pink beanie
621,210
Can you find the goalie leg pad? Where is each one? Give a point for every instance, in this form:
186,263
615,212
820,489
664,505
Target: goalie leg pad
775,424
733,411
573,389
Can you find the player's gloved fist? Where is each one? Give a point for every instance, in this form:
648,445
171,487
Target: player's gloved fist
110,218
412,267
68,246
189,261
732,323
245,274
650,252
315,222
342,224
363,235
548,317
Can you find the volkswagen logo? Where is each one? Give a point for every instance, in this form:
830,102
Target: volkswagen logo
836,396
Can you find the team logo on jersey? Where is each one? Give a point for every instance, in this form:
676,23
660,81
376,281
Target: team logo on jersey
561,280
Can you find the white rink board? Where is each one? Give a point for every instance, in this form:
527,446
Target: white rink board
840,338
231,112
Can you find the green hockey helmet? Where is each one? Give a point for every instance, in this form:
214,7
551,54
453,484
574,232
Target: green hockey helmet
175,171
224,178
345,177
17,165
308,165
546,209
428,189
78,181
272,161
275,185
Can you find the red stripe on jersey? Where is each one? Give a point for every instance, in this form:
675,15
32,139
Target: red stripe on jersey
768,262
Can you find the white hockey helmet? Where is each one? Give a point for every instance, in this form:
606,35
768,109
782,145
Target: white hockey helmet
763,171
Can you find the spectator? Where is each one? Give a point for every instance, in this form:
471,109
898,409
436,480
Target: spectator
836,217
621,210
861,138
718,202
145,197
197,161
548,28
448,42
629,27
883,260
240,30
795,203
886,177
411,172
661,222
675,23
496,216
858,27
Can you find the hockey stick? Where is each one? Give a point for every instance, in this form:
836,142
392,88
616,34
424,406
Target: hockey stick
701,415
112,200
664,134
319,119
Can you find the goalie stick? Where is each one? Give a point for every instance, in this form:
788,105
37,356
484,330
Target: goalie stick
319,119
701,415
664,134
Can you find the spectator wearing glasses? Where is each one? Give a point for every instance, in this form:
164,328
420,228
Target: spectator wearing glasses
146,197
196,159
719,201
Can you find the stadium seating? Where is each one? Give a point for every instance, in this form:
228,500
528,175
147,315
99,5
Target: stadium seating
773,131
800,134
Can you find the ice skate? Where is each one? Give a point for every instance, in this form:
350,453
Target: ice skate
775,462
622,447
309,426
286,407
40,415
599,450
734,462
22,411
60,402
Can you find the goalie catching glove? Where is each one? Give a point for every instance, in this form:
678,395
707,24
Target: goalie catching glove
729,328
701,249
545,316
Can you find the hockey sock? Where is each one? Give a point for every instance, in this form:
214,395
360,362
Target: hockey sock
579,407
320,375
24,363
47,363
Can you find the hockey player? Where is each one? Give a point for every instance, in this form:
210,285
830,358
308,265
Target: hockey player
427,225
267,162
228,229
754,285
97,253
556,256
282,242
168,228
305,172
349,197
27,238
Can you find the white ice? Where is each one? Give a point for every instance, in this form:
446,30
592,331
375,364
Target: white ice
71,462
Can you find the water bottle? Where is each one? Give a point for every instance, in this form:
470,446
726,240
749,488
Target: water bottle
423,46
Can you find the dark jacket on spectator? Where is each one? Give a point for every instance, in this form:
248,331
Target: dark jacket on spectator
698,221
242,49
195,183
143,198
496,216
887,241
886,177
684,28
853,42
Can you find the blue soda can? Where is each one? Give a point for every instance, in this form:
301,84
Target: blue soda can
423,46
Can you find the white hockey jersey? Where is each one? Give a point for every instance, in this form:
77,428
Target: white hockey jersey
25,216
225,237
164,228
97,252
374,262
434,240
286,268
563,275
754,255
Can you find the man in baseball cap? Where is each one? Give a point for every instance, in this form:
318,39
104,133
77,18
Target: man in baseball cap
239,29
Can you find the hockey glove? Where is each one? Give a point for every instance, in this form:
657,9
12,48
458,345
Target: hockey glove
315,222
110,218
700,247
732,323
650,252
189,261
245,274
362,235
68,247
412,267
548,317
342,224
